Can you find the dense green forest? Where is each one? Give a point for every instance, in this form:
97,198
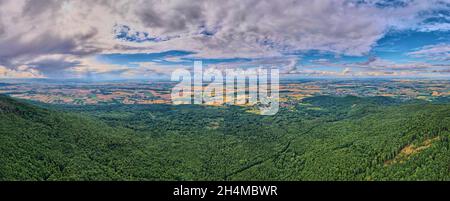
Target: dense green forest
321,138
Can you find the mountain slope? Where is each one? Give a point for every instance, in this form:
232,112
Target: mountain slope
39,144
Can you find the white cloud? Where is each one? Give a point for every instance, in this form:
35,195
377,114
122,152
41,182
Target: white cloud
440,52
20,72
91,65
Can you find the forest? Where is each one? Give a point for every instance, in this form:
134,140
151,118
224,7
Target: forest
322,138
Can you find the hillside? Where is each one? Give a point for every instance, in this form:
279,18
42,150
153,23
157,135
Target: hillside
323,138
40,144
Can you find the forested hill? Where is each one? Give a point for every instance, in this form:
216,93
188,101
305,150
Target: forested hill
322,138
40,144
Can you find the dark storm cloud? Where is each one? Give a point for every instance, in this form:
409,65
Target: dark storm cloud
49,66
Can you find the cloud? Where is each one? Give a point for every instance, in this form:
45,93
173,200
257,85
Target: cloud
55,67
149,69
2,27
369,61
257,29
375,63
440,52
347,71
91,66
372,67
20,72
286,64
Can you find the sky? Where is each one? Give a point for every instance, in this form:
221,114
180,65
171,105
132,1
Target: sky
146,39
